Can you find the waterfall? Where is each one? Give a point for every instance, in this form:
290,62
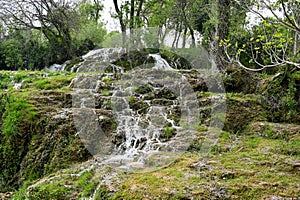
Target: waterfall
160,63
155,110
142,134
97,60
55,68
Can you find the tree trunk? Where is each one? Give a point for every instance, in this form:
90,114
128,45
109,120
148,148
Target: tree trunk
184,37
132,20
220,32
138,14
193,37
122,24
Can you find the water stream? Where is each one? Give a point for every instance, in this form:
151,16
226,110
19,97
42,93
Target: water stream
160,63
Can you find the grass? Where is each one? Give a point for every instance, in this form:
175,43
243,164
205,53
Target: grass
17,110
82,186
249,170
35,80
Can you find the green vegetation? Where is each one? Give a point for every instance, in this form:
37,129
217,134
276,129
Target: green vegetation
248,169
256,155
17,116
17,112
72,31
254,159
25,114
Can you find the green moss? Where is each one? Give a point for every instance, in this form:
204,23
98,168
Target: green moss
17,111
241,111
85,182
168,132
105,92
33,80
253,142
18,116
290,148
106,80
53,82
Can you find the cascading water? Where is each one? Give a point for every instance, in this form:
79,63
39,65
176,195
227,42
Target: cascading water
149,135
150,124
160,63
142,134
98,59
55,68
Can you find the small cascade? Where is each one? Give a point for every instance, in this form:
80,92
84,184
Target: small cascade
149,135
18,86
98,60
55,68
160,63
153,109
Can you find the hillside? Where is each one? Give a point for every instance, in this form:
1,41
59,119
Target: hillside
45,155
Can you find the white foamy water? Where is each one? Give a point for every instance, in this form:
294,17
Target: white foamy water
160,63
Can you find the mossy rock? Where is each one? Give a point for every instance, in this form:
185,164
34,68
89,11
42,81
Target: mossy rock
138,58
175,61
144,89
280,96
131,60
241,111
106,121
56,149
165,93
138,105
175,114
274,130
241,81
69,64
198,84
167,133
162,102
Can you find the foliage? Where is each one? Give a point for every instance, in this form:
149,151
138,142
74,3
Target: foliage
25,50
281,98
11,54
17,116
90,32
66,33
273,42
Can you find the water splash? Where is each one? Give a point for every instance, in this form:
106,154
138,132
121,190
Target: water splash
160,63
56,68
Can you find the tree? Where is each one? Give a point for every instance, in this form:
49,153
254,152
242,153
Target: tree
214,24
55,19
164,14
129,15
46,32
91,10
274,41
90,31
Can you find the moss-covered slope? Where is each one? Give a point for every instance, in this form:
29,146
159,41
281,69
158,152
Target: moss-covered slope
42,156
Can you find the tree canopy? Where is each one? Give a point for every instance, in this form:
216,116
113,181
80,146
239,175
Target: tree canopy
48,31
36,33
